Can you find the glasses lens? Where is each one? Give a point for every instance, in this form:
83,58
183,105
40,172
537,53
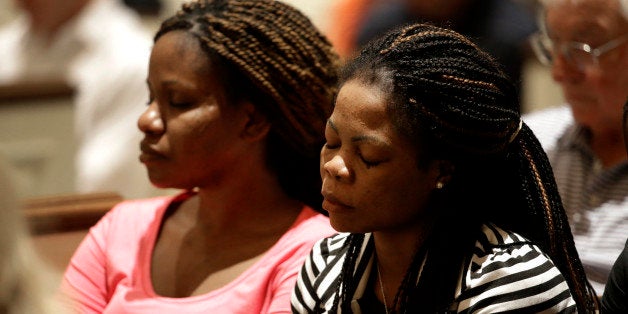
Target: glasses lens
578,55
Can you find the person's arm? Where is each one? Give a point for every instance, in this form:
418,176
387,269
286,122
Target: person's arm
615,297
301,299
283,287
302,239
318,278
508,273
84,284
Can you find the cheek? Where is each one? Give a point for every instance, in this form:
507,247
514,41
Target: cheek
396,199
611,81
188,136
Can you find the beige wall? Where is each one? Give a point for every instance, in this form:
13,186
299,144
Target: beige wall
315,9
6,11
538,88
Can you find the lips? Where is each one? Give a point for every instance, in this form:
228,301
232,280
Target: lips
332,204
149,154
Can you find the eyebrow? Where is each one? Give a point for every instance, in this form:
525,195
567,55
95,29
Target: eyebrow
359,138
178,83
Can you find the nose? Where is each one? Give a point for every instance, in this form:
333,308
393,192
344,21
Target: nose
563,71
337,168
150,121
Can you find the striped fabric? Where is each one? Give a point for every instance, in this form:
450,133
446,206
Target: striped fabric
505,273
595,198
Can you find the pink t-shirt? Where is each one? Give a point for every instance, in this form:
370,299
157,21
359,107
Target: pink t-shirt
110,271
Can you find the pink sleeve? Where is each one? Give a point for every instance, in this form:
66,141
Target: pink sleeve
318,227
84,282
283,289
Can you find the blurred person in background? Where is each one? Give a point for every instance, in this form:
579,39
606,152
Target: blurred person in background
100,48
500,27
27,284
585,43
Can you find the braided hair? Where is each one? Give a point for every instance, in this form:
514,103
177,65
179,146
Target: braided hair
452,100
271,54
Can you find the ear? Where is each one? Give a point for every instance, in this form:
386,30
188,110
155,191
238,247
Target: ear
256,125
445,169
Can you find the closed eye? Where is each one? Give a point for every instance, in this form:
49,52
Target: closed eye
369,163
331,146
181,105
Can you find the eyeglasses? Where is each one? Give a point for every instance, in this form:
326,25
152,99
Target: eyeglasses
577,54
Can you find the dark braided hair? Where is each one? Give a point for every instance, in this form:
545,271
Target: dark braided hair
271,54
455,103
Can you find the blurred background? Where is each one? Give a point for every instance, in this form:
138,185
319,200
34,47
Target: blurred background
44,120
37,123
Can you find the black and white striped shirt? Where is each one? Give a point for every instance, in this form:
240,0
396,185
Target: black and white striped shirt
505,273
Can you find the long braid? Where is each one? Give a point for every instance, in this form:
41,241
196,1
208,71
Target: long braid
287,69
453,97
346,283
559,244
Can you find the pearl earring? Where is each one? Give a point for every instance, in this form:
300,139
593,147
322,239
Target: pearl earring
439,185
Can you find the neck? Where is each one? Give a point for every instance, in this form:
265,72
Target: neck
243,202
394,254
609,147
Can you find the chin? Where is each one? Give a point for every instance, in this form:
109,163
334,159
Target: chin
159,182
347,225
581,101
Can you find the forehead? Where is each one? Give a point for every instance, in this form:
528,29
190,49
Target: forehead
362,104
177,61
585,18
179,50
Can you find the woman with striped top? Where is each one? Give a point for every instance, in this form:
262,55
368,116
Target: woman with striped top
444,199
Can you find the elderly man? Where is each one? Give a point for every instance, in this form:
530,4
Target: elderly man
586,44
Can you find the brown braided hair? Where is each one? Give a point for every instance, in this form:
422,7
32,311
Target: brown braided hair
270,54
452,100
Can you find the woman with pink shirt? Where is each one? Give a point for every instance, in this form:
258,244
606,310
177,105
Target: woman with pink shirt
239,95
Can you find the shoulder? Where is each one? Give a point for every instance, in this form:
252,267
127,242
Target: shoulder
326,253
327,256
499,250
513,273
312,223
332,246
309,227
133,216
140,207
320,275
549,124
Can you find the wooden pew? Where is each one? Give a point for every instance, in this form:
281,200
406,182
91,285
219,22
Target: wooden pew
58,223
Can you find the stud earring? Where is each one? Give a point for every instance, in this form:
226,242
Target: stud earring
439,185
